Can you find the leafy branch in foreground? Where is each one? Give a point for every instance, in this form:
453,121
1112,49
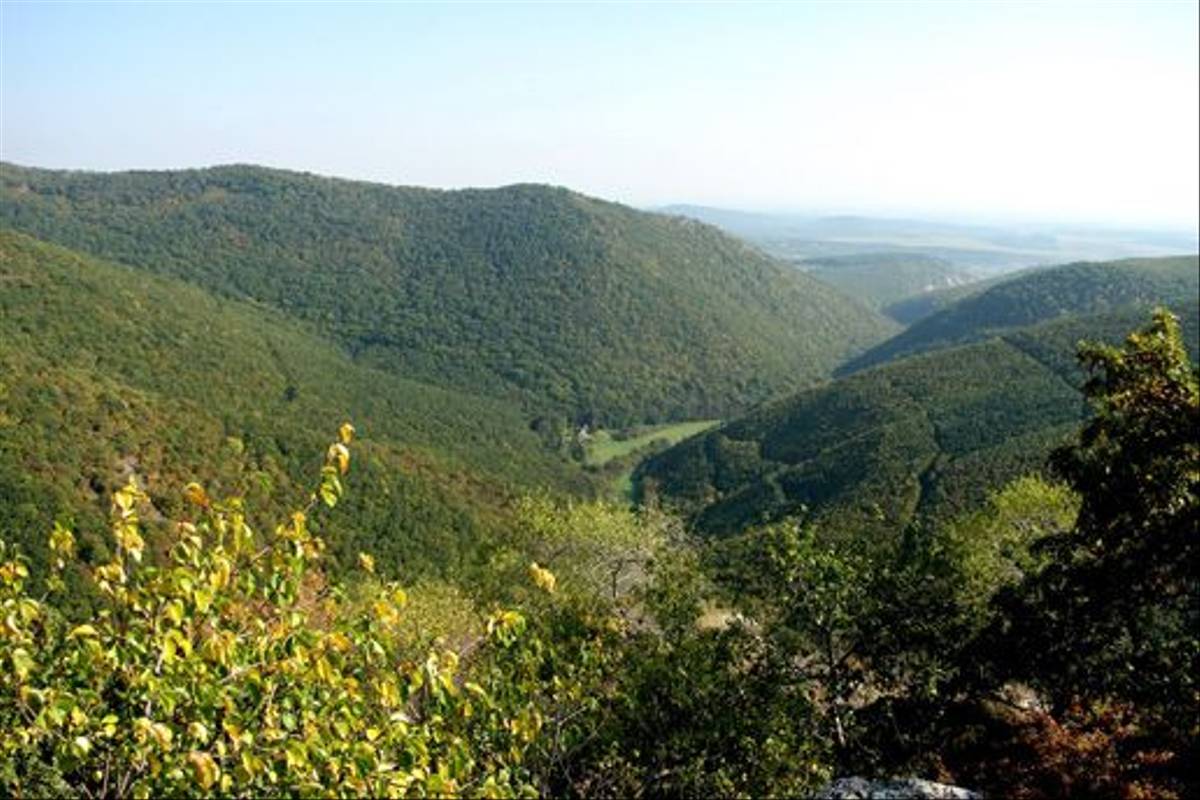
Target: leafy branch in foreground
231,666
1116,612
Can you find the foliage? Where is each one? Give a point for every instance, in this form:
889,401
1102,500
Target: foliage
697,710
601,549
1041,295
994,548
578,308
923,438
236,668
706,716
1096,750
825,607
1116,612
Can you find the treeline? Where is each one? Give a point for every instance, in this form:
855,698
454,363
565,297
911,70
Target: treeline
575,307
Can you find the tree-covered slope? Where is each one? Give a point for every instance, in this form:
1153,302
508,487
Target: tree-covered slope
106,371
879,279
569,304
908,310
923,437
1036,296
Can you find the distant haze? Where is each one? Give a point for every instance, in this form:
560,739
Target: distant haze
1017,111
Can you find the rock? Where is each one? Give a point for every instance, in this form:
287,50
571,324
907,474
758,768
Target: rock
899,789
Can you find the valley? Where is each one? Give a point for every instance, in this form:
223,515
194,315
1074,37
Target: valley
624,449
577,400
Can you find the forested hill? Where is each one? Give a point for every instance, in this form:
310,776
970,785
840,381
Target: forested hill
106,372
571,305
924,437
1045,294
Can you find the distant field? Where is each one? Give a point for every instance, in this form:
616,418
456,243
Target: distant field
603,448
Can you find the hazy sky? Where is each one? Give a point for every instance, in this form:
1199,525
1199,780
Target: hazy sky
1067,112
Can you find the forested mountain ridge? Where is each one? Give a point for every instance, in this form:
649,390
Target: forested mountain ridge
107,372
1044,294
923,437
568,304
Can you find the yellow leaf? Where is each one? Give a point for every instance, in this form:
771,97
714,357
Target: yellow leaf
346,432
22,663
62,541
366,562
339,455
182,642
194,493
129,494
162,734
12,571
203,599
168,651
129,538
542,577
204,769
174,612
221,573
385,612
296,753
112,572
389,695
82,630
251,763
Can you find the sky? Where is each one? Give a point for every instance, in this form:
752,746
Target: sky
1080,112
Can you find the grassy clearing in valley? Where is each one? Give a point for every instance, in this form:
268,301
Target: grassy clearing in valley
603,447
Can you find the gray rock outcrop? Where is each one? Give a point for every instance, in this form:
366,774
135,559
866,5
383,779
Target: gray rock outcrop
899,789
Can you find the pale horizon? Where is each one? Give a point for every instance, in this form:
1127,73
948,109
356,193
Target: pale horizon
1022,113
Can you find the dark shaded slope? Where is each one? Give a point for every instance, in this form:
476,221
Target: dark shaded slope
1041,295
925,436
568,304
